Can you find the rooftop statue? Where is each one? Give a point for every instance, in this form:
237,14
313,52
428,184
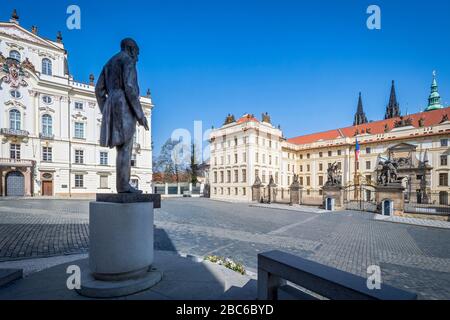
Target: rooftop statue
117,93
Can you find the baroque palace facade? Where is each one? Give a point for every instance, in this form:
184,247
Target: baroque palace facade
50,123
248,150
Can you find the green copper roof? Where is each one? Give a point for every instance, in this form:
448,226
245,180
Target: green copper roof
434,100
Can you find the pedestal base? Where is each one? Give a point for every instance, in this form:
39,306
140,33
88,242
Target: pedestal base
93,288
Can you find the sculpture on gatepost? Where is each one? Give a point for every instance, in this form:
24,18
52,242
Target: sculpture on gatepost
334,178
272,190
387,172
295,191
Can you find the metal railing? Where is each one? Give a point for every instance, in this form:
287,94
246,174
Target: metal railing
46,136
15,162
14,132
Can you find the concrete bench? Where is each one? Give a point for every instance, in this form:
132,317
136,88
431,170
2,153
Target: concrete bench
275,268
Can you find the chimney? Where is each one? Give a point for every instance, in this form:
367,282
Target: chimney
14,17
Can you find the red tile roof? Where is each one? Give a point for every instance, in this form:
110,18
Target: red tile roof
247,118
430,118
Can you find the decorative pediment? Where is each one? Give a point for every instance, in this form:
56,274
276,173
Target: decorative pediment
46,109
403,147
16,32
15,103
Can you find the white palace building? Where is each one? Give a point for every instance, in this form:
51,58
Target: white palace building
50,124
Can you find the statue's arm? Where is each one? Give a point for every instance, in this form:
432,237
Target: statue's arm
132,90
100,91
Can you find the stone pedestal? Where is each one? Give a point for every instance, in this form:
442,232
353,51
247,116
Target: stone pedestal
295,195
390,199
333,196
120,246
256,193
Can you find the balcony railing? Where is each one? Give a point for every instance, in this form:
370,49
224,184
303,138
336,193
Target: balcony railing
15,162
46,136
14,132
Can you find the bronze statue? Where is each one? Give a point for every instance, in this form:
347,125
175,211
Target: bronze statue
117,93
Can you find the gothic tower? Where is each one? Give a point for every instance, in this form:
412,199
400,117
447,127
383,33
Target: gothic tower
360,116
393,108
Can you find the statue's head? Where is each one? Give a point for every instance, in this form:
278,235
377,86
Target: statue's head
130,46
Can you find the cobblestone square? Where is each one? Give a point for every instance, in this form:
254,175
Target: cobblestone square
415,258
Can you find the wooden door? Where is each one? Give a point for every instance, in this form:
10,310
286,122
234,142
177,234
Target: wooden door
47,188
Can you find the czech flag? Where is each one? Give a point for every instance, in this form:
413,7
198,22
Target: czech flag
357,150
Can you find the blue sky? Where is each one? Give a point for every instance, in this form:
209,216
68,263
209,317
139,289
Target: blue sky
304,62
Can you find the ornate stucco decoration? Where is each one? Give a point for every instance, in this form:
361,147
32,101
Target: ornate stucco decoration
92,105
13,45
16,103
79,116
47,109
15,74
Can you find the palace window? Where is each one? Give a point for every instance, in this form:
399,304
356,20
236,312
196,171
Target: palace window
443,179
79,130
339,152
79,181
104,182
443,198
15,55
215,176
15,94
308,168
330,153
14,151
444,142
244,157
14,119
103,158
47,99
79,105
263,177
221,177
444,160
79,156
47,67
301,168
368,165
236,176
320,180
244,191
244,175
320,154
308,181
134,160
301,181
256,173
369,179
320,166
235,158
47,154
228,176
47,125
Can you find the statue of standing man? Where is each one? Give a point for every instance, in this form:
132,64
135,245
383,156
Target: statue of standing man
117,93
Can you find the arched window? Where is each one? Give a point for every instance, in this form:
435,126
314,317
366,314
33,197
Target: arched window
15,55
14,119
46,67
47,125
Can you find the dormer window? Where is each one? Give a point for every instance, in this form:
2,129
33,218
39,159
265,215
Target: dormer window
47,67
47,99
15,55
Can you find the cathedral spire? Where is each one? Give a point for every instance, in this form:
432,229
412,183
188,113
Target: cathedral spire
393,108
360,116
434,101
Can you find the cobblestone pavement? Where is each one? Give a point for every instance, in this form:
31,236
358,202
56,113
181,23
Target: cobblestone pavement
415,258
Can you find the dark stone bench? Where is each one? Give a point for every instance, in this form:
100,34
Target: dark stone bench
275,268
